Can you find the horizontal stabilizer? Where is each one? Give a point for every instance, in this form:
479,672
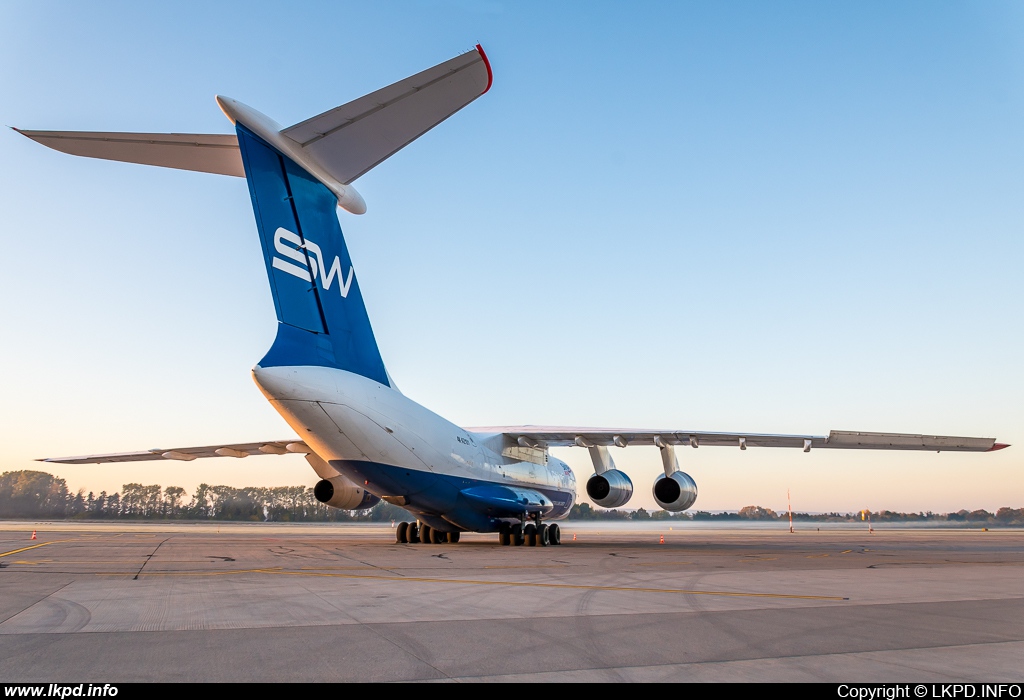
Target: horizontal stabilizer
205,153
187,454
351,139
335,147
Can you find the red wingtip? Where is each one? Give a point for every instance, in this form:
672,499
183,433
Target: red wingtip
997,446
487,64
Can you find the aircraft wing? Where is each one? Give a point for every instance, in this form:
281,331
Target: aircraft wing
558,436
187,454
345,142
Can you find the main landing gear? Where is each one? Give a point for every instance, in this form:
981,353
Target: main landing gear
415,533
535,534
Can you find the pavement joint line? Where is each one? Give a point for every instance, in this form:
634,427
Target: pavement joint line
630,589
422,579
531,566
225,572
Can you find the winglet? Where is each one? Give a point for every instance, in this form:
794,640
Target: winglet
998,446
487,65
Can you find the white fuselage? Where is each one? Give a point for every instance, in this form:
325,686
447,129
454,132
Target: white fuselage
372,433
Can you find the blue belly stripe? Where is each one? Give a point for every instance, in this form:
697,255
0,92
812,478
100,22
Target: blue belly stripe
467,504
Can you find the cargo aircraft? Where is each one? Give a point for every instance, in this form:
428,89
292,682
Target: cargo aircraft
324,372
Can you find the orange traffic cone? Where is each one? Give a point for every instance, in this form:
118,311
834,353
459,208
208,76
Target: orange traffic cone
574,537
33,535
662,540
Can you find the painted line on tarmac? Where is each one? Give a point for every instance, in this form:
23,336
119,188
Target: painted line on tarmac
25,549
561,585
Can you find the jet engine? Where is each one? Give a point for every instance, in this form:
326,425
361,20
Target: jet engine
610,489
339,492
676,492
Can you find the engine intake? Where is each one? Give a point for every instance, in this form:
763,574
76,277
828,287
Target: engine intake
676,492
339,492
610,489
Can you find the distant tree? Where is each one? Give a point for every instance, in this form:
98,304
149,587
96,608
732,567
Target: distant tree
173,497
1010,516
581,511
113,509
32,494
757,513
641,514
76,505
99,506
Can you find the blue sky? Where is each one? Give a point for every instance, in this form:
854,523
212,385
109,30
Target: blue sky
784,217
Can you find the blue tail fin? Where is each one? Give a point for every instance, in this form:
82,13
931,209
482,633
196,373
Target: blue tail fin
323,321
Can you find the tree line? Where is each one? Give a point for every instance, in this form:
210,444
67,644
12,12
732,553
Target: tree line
34,494
1003,516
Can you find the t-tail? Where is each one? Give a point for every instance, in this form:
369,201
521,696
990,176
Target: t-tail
297,177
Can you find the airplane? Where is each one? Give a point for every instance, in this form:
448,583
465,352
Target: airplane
324,372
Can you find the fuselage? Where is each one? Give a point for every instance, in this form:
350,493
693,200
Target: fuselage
403,452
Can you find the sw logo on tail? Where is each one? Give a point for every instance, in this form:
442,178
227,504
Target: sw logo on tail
309,268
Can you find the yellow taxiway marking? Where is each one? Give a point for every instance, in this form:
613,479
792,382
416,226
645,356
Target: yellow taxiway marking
25,549
846,551
630,589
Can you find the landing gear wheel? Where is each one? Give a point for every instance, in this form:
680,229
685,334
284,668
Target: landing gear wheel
425,534
504,534
413,533
530,533
453,537
402,533
437,537
543,538
555,534
516,533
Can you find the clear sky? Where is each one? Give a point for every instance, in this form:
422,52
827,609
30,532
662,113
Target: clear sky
735,216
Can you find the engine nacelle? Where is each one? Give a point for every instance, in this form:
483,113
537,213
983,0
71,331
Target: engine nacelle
610,489
675,493
339,492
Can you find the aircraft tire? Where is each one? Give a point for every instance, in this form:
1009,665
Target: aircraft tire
402,533
425,534
516,534
555,534
438,537
530,533
543,537
504,538
453,537
413,533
